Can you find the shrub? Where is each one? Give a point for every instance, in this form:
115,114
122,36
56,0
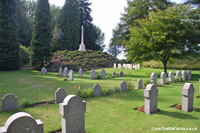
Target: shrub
99,76
146,82
84,93
26,103
130,86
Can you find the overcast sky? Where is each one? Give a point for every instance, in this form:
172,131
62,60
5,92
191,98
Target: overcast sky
106,14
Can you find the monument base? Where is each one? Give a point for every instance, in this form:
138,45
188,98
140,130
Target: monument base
82,47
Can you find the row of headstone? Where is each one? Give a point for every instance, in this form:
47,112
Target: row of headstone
151,95
127,66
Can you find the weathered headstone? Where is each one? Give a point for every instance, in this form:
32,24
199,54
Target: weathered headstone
65,72
80,72
125,66
9,102
97,90
103,74
163,78
153,78
123,86
60,71
184,75
115,65
22,123
93,74
71,75
178,76
140,84
44,70
60,95
138,65
150,95
73,111
114,74
171,77
189,76
119,65
187,97
121,74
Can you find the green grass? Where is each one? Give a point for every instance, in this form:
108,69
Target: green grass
113,113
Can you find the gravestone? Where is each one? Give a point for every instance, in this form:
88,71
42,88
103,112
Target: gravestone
80,72
103,74
72,111
126,66
71,75
153,78
138,65
22,123
189,76
82,45
60,95
115,65
65,72
150,96
187,97
123,66
140,84
93,74
171,77
178,76
114,74
44,70
184,75
163,78
123,86
121,74
97,90
60,71
119,65
9,102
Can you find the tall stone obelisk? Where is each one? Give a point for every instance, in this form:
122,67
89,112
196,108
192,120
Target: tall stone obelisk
82,46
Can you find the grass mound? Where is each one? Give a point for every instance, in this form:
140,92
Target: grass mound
87,60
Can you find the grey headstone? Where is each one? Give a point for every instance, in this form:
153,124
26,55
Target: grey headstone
184,75
153,78
119,65
187,97
44,70
65,73
80,73
178,76
71,75
123,65
93,74
9,102
97,90
22,123
103,74
60,95
171,77
138,65
60,71
163,77
150,96
121,74
115,65
73,111
114,74
189,75
140,84
123,86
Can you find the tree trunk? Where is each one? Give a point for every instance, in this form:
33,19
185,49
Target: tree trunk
165,66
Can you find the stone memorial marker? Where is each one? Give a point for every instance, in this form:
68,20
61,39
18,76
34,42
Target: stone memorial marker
22,123
9,102
178,76
80,72
44,70
93,74
138,65
60,95
187,97
71,75
171,77
119,65
189,75
163,77
65,72
123,86
82,45
140,84
121,74
150,95
153,78
72,111
125,66
97,90
114,74
60,71
184,75
115,65
103,74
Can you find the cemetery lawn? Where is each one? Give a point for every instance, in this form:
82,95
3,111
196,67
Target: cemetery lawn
112,113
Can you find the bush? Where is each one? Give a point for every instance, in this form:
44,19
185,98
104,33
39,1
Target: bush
146,82
130,86
99,76
26,103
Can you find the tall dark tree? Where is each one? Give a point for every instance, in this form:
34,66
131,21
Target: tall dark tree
41,35
9,46
67,29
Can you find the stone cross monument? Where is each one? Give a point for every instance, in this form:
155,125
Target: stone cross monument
82,46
